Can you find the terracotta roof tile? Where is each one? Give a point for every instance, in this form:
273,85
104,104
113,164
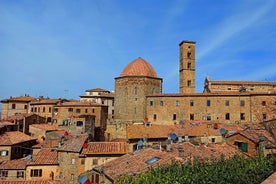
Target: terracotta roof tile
106,148
19,99
74,144
242,82
139,67
47,101
10,138
18,164
97,90
79,104
31,182
46,156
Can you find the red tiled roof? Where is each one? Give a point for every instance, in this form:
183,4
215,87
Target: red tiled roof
10,138
46,156
218,82
47,101
134,163
97,90
139,67
74,144
18,164
271,179
45,126
106,148
79,104
19,99
51,143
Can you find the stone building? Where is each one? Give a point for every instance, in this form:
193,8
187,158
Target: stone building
139,97
100,96
15,105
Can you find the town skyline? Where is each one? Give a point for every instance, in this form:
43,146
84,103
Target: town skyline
64,48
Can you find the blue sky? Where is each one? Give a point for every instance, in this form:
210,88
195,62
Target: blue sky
60,48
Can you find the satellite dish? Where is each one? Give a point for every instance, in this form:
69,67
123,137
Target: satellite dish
173,136
222,131
140,143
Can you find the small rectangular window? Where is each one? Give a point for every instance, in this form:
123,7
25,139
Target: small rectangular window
20,174
189,65
174,116
73,161
4,174
227,103
93,110
208,103
189,83
25,106
86,110
227,116
152,160
209,117
177,103
242,103
95,162
13,106
70,109
50,109
213,140
43,109
192,116
161,103
191,103
242,146
78,110
242,116
72,177
151,103
263,103
4,153
154,117
264,116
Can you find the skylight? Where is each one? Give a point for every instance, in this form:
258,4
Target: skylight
152,160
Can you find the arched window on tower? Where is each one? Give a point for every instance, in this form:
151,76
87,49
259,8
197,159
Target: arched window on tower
189,54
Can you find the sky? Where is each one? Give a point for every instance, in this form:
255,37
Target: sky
60,48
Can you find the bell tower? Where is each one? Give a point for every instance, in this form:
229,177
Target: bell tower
187,67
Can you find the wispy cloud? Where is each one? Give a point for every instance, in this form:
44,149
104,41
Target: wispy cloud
233,25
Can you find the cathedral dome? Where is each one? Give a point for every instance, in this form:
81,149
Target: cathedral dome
139,67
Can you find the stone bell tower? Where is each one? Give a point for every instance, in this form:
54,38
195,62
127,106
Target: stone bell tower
187,67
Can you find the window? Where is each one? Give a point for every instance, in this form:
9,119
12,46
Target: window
93,110
189,65
4,153
152,160
78,110
72,177
264,116
13,106
208,103
189,54
36,172
86,110
20,174
263,103
191,103
177,103
25,106
161,103
151,103
242,103
113,102
154,117
38,109
79,123
43,110
242,146
209,117
227,103
73,161
227,116
229,89
213,140
242,116
95,178
70,109
95,162
82,161
4,174
174,116
50,109
103,102
189,82
192,116
32,109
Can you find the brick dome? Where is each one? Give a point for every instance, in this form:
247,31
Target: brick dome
139,67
